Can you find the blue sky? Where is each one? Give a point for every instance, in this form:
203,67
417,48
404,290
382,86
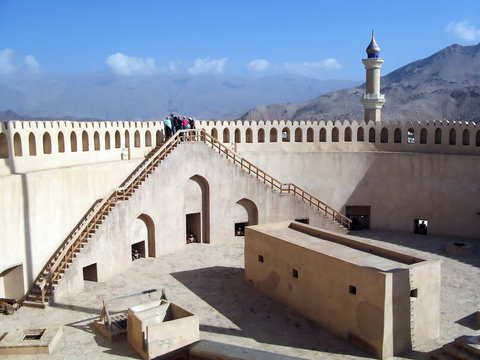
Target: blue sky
321,39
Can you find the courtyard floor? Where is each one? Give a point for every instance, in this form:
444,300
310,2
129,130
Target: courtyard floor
208,280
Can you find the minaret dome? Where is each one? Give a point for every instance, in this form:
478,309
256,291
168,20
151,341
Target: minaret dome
373,50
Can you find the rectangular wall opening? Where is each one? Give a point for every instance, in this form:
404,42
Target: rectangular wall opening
90,273
420,226
414,293
260,258
295,273
194,228
360,216
303,221
33,334
240,228
138,250
352,290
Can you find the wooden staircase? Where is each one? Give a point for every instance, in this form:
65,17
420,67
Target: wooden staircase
42,289
463,348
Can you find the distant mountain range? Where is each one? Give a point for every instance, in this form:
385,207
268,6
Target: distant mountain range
445,85
111,97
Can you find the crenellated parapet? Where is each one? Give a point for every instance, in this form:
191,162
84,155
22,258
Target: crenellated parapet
34,145
411,136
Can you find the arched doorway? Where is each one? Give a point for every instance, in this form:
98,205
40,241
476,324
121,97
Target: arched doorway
142,237
150,235
197,209
245,214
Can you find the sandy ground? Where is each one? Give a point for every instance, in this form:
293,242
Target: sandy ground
208,280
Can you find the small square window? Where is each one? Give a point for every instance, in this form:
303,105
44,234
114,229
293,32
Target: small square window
414,293
295,273
260,258
352,290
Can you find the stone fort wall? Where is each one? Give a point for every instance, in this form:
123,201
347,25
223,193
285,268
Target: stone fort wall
34,145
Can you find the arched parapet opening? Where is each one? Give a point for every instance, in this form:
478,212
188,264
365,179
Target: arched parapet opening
261,135
226,135
384,135
371,135
32,144
197,208
238,136
310,135
335,135
465,137
423,136
4,153
285,134
273,135
347,136
298,134
249,136
17,145
452,137
47,143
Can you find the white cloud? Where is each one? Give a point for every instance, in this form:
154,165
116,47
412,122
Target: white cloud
32,64
258,65
130,65
208,66
173,66
464,30
311,68
7,61
306,68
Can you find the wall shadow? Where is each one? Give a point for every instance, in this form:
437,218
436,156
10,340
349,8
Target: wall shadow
258,316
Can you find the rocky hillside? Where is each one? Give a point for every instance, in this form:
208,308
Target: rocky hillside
445,85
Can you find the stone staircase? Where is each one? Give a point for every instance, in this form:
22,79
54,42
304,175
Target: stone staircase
42,290
463,348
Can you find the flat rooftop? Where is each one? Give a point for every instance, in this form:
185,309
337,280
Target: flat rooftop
344,248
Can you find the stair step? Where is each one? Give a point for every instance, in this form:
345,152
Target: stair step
457,352
35,304
471,344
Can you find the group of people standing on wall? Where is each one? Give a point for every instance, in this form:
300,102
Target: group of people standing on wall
173,123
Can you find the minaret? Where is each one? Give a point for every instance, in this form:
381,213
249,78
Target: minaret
372,99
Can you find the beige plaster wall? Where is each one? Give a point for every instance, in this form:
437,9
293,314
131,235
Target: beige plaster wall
41,208
314,294
163,198
399,187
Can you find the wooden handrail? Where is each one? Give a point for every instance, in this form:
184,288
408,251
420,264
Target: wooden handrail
274,183
71,243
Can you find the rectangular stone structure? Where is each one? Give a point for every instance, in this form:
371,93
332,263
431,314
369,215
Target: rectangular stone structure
382,300
30,342
159,327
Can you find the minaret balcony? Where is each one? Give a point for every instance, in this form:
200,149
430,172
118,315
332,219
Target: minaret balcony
373,101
